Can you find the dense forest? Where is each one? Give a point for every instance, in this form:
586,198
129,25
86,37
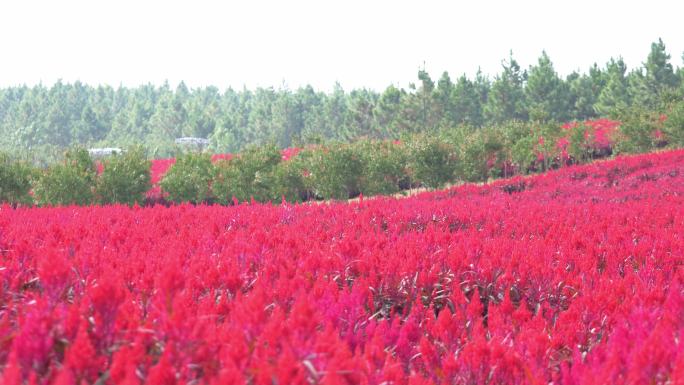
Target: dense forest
39,122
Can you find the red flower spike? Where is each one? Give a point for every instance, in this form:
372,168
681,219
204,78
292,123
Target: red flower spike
12,375
81,356
163,373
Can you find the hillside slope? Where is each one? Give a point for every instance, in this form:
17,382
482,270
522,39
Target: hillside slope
570,277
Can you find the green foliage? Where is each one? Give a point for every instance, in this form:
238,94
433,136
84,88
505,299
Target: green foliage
70,182
15,181
125,178
249,175
289,182
342,171
432,162
46,120
638,130
546,94
517,146
392,114
584,92
673,126
466,102
523,153
481,154
506,98
384,167
334,171
548,133
188,180
489,126
580,143
615,95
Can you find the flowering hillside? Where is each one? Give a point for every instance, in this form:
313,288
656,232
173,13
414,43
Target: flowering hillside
571,277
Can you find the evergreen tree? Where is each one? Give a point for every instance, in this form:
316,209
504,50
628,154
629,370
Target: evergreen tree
546,93
614,96
335,108
506,97
429,115
659,71
288,121
657,79
482,87
390,114
681,78
467,101
360,114
203,109
312,109
260,128
168,121
443,97
584,92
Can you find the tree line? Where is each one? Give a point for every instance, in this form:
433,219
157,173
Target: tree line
39,122
340,170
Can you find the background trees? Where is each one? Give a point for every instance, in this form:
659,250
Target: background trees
615,95
506,98
546,94
38,122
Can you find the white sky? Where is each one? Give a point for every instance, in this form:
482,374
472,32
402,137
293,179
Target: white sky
369,43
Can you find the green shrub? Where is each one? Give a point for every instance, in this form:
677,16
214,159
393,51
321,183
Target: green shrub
225,182
637,131
249,175
673,126
482,154
15,181
289,181
384,167
334,171
125,178
473,166
71,182
518,147
548,134
512,132
523,153
189,179
580,144
432,162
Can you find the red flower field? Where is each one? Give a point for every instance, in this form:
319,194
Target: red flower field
571,277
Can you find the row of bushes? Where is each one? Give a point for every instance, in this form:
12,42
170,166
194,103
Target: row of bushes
77,180
463,154
342,171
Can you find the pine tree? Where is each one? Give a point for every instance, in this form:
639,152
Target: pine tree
335,108
360,114
467,102
658,67
658,78
390,115
444,99
429,116
506,98
614,96
584,92
546,93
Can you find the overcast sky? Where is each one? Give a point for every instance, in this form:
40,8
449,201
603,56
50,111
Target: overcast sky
358,43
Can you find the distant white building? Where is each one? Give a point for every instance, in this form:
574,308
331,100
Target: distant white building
193,141
102,152
199,143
